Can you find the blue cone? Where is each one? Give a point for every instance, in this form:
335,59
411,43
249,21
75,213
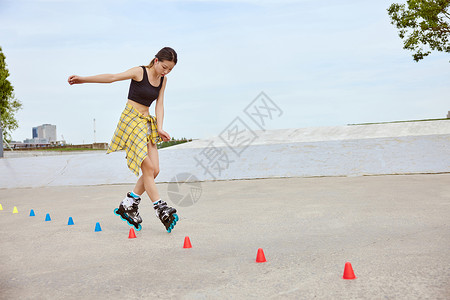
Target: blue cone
32,213
70,221
97,227
47,218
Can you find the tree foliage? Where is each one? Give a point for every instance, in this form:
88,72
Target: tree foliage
424,25
9,105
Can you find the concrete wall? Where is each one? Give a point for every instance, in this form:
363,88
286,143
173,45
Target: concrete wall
401,148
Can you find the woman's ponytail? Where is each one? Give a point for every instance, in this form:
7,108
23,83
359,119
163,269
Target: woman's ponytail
151,63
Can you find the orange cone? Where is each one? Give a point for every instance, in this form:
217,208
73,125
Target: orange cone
132,234
260,258
348,271
187,243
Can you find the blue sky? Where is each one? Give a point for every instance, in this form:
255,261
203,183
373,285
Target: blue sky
334,63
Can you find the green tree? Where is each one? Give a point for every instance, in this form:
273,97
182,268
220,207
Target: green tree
9,105
422,23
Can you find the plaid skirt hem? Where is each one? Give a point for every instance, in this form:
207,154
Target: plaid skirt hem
132,134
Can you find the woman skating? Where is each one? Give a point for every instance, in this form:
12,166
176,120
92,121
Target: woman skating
138,132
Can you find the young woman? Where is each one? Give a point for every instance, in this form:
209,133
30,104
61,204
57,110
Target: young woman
138,132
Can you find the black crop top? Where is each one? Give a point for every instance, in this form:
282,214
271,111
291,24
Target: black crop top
142,91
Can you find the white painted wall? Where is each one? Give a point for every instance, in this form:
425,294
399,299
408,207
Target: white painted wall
400,148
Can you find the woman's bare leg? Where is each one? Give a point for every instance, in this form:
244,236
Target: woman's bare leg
140,188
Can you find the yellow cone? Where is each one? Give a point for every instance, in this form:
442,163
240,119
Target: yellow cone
1,208
15,211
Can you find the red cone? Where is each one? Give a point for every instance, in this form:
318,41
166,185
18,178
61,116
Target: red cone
260,258
132,234
187,243
348,271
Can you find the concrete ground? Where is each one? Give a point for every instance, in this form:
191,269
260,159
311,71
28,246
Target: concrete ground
395,230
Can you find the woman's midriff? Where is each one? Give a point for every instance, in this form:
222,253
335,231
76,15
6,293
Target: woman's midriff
139,107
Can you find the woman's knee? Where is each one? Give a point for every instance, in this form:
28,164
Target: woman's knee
147,167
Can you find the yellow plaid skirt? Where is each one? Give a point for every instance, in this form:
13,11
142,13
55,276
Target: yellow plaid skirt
133,133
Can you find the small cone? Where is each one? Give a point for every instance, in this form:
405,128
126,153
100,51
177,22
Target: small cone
1,208
47,218
348,271
15,211
97,227
132,234
70,221
32,213
260,258
187,243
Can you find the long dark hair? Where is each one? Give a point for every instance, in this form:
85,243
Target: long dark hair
165,54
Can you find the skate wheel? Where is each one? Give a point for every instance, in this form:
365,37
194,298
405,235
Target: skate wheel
115,211
176,217
171,226
138,228
169,230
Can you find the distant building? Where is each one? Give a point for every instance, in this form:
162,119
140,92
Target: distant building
448,115
45,132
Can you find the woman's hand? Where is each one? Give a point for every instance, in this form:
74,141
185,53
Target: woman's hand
74,79
164,135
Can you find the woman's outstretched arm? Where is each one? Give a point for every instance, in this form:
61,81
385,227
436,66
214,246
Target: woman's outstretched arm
132,73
